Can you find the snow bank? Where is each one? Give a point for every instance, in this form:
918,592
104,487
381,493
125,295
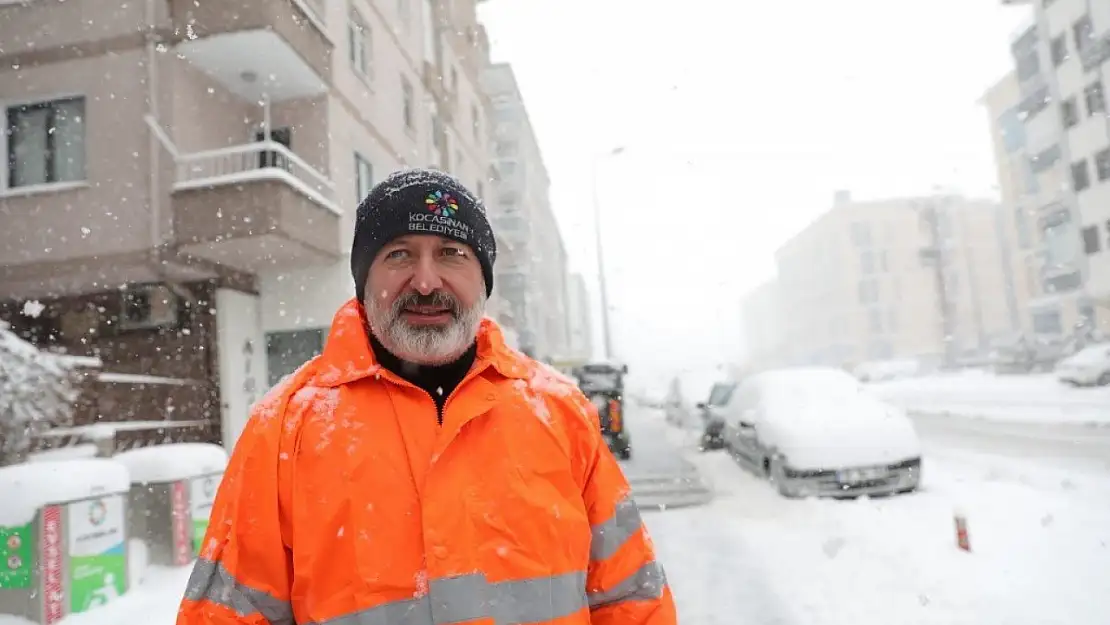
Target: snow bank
1039,533
1013,398
25,488
170,463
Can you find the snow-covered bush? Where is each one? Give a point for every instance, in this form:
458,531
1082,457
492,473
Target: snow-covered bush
38,390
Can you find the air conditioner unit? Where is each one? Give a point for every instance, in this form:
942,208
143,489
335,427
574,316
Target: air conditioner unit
148,306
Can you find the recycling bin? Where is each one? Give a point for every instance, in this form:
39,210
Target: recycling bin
63,537
172,490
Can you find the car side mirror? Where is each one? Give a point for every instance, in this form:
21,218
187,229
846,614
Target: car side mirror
700,405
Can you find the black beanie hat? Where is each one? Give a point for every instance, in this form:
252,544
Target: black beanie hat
420,201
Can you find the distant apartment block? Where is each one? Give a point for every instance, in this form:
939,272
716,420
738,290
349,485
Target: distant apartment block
920,277
532,272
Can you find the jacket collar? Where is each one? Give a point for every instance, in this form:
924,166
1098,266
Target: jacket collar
348,357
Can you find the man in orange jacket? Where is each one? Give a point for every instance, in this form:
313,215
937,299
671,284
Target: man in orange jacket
420,471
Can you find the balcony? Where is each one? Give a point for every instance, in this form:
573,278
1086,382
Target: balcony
276,48
1096,53
254,207
43,32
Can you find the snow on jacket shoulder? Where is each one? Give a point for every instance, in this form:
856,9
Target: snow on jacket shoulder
346,503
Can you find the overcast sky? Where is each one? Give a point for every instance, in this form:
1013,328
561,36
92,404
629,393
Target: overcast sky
740,120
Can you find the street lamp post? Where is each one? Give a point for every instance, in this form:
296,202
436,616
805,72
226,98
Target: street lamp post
604,293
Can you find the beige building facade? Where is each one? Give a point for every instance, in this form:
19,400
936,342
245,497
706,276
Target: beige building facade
176,157
863,282
533,275
1062,67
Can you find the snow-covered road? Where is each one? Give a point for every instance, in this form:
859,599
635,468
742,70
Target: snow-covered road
1040,537
1040,441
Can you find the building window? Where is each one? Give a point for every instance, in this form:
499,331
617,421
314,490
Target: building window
866,263
46,142
1096,101
1047,322
1028,64
1091,242
364,178
285,351
868,291
1059,50
1069,112
407,103
1084,32
1102,164
359,45
861,234
876,320
1021,224
1045,159
1034,103
1080,176
1013,131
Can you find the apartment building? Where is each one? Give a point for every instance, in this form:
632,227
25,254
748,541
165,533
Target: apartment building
871,280
182,177
1018,188
762,316
532,273
579,318
1061,69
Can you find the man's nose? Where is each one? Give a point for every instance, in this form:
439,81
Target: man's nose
426,280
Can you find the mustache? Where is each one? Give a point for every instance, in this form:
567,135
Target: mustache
435,299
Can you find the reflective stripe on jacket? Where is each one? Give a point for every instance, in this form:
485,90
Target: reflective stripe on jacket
345,503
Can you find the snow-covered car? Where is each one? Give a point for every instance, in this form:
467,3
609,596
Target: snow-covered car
712,432
819,431
1087,367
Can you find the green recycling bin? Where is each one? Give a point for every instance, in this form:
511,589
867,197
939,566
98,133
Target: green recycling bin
64,532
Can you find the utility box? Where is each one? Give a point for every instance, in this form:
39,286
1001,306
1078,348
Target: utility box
172,490
63,537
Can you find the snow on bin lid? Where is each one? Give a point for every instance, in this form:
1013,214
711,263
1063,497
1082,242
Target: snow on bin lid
172,462
27,487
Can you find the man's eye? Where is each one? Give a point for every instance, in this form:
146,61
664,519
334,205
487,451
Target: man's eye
454,251
397,254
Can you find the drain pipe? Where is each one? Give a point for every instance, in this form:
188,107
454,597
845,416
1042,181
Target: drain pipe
156,145
155,148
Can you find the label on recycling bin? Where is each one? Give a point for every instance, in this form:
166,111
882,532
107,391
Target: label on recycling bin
50,559
15,556
97,560
202,493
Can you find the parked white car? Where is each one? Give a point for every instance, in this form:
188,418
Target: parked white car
820,432
1089,366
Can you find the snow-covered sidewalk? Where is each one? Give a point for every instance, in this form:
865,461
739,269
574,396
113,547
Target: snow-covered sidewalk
1012,398
1040,539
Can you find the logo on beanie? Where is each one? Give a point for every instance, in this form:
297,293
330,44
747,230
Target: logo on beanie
442,204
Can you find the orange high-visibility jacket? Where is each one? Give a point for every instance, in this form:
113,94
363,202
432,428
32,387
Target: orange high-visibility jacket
346,503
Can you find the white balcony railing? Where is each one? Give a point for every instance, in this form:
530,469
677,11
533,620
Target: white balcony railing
263,160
